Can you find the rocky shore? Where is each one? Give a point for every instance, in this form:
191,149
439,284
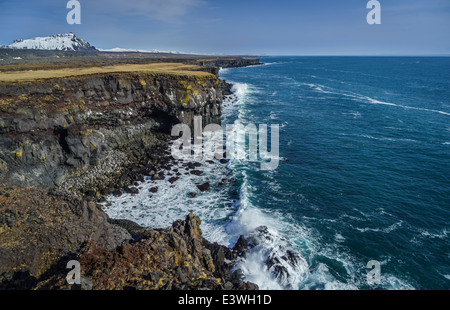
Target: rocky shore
66,144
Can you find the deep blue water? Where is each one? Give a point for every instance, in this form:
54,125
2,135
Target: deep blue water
367,178
368,174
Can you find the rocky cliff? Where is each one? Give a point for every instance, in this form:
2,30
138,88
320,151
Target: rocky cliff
224,62
66,144
78,133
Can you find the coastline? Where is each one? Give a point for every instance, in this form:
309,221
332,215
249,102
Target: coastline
50,212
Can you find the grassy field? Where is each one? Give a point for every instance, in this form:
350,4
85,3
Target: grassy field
154,68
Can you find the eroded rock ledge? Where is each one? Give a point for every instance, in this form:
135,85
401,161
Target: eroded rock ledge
66,144
57,130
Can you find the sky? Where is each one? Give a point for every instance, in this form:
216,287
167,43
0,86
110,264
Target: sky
240,27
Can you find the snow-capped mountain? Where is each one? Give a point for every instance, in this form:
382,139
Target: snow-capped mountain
126,50
59,42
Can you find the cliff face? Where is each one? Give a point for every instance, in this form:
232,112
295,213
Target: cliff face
215,64
76,133
66,143
229,62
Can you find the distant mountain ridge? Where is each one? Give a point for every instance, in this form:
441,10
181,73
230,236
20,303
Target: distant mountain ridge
131,50
58,42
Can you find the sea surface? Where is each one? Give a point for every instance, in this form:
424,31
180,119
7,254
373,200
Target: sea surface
366,175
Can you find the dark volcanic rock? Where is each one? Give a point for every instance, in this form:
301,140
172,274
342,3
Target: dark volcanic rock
190,165
241,245
117,193
154,189
46,229
173,180
204,187
173,258
230,63
93,132
130,226
131,190
197,172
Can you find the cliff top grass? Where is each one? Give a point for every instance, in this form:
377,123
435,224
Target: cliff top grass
178,69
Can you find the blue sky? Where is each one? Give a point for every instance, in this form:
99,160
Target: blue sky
263,27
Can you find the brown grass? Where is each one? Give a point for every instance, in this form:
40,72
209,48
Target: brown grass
178,69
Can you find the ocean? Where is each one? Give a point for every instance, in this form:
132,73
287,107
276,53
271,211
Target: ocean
366,176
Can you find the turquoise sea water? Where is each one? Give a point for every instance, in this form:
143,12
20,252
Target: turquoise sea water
367,178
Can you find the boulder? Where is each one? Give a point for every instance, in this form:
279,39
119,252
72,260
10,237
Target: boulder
204,187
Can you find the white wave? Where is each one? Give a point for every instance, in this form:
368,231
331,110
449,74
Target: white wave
321,278
355,115
339,238
383,212
321,90
390,282
255,271
440,235
374,101
281,237
271,263
234,104
386,230
351,217
393,128
253,66
274,116
223,70
266,263
241,90
273,63
172,201
329,90
317,87
379,138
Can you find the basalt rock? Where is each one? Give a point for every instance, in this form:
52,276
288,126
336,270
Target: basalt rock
197,172
84,133
39,230
204,187
173,258
173,180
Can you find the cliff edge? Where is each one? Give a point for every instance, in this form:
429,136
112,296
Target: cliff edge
68,139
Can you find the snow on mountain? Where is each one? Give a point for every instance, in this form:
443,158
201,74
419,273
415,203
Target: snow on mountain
119,49
59,42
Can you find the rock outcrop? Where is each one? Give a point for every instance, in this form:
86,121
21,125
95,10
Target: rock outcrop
37,231
224,62
77,134
172,258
